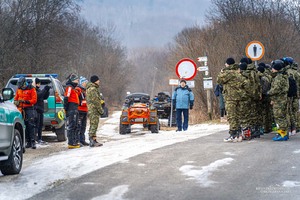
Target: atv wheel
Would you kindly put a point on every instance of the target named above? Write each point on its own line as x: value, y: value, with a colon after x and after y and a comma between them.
x: 155, y: 127
x: 124, y: 129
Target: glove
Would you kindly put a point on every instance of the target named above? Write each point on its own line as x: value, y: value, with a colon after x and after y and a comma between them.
x: 27, y: 102
x: 47, y: 87
x: 191, y: 107
x: 174, y: 103
x: 16, y: 102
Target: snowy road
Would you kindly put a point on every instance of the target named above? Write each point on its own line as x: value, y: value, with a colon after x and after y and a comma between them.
x: 56, y: 168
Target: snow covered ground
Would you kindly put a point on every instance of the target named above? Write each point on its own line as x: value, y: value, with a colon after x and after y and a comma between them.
x: 46, y: 172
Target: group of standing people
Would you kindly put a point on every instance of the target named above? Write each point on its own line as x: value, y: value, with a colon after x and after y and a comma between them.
x: 257, y: 97
x: 82, y: 97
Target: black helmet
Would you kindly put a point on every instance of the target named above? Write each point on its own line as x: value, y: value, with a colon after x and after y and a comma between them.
x: 21, y: 82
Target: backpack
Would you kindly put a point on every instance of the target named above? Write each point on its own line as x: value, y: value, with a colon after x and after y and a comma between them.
x: 292, y: 87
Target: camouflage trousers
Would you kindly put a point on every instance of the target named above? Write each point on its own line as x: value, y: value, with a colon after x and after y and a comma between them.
x: 233, y: 109
x: 292, y: 112
x: 279, y: 112
x: 94, y: 121
x: 267, y: 116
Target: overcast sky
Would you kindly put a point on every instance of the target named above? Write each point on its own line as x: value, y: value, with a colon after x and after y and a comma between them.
x: 150, y: 23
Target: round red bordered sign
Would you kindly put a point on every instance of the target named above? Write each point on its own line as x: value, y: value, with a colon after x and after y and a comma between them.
x: 186, y: 68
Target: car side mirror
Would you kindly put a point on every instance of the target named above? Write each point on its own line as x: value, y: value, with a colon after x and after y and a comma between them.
x: 7, y: 94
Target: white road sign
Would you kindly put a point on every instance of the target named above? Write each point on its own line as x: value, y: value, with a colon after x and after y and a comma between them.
x: 174, y: 82
x: 255, y: 50
x: 208, y: 83
x: 202, y: 59
x: 203, y: 68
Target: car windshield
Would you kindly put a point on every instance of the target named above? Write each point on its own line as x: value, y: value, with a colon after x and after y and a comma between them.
x: 13, y: 84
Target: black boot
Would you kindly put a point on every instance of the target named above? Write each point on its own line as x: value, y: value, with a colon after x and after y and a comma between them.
x: 33, y: 146
x: 94, y: 142
x: 28, y: 145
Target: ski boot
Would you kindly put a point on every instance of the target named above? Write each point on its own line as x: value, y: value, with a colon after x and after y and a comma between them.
x: 281, y: 136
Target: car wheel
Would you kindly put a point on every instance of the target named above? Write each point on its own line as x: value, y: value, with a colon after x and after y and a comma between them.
x: 15, y: 160
x: 61, y: 134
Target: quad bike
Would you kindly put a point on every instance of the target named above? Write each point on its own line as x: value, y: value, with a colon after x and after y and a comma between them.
x: 138, y: 109
x: 162, y: 102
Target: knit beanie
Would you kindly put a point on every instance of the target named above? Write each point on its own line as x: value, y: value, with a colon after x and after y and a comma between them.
x: 230, y: 61
x: 262, y: 65
x: 243, y: 66
x: 277, y: 66
x: 73, y: 77
x: 37, y: 81
x: 82, y: 80
x: 94, y: 78
x: 261, y: 69
x: 244, y: 60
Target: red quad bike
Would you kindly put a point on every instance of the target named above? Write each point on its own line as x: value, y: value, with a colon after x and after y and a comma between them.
x: 138, y: 109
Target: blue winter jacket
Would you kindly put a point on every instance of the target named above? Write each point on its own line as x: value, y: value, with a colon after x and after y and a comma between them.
x: 183, y: 97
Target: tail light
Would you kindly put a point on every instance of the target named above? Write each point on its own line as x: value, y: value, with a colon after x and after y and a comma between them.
x: 57, y: 98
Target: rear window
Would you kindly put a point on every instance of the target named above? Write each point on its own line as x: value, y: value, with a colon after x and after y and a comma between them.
x: 13, y: 84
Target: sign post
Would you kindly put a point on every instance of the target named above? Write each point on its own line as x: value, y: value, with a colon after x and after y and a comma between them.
x: 207, y: 84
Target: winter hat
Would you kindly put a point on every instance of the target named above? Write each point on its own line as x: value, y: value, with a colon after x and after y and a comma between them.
x: 73, y: 77
x: 243, y: 66
x: 249, y: 60
x: 262, y: 65
x: 37, y: 81
x: 261, y: 69
x: 244, y: 60
x: 82, y: 80
x: 230, y: 61
x: 277, y: 66
x: 182, y: 80
x: 94, y: 78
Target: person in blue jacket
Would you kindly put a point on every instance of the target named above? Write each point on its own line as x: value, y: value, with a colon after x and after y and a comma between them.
x: 183, y: 100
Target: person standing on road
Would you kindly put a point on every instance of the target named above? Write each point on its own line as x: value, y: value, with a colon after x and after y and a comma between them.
x: 82, y: 109
x: 278, y: 94
x: 234, y: 85
x: 183, y: 100
x: 219, y: 93
x: 71, y: 102
x: 39, y: 107
x: 25, y: 99
x: 95, y: 110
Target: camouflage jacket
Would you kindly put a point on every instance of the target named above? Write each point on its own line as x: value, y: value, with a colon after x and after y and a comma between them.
x: 279, y: 85
x: 255, y: 81
x: 233, y: 83
x: 93, y: 98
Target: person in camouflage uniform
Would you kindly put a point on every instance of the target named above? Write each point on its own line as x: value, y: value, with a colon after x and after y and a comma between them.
x: 278, y: 95
x: 293, y: 101
x: 265, y: 103
x: 254, y: 116
x: 233, y: 83
x: 95, y: 110
x: 246, y: 103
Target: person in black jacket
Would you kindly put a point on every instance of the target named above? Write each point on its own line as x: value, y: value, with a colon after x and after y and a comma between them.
x: 39, y: 107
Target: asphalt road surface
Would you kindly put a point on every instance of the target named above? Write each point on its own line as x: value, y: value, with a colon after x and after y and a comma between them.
x: 204, y: 168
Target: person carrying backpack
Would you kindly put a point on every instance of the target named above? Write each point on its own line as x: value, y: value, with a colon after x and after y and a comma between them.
x: 293, y: 100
